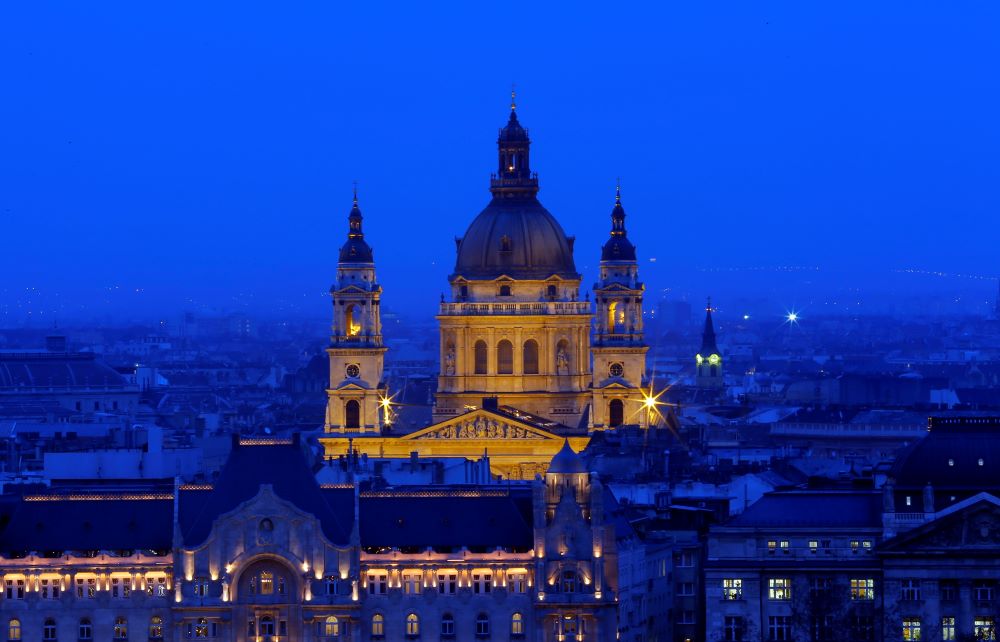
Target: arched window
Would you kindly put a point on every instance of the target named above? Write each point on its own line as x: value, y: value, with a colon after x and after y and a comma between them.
x: 378, y: 625
x: 266, y: 625
x: 481, y: 357
x: 352, y: 321
x: 447, y: 624
x: 612, y: 309
x: 517, y: 624
x: 120, y: 630
x: 505, y: 357
x: 412, y: 625
x: 331, y: 627
x: 14, y: 629
x: 616, y: 413
x: 530, y: 357
x: 156, y: 628
x: 49, y: 630
x: 482, y: 625
x: 267, y: 580
x: 352, y: 414
x: 85, y: 630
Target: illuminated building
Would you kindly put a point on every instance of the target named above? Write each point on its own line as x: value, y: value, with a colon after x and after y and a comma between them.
x: 516, y: 377
x: 265, y: 553
x: 619, y: 349
x: 356, y: 350
x: 708, y: 361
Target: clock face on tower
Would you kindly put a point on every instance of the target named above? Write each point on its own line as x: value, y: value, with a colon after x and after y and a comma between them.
x: 616, y: 370
x: 353, y: 370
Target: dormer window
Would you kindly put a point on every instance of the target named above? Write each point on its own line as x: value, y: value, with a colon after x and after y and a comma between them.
x: 505, y: 243
x: 504, y: 290
x: 551, y: 291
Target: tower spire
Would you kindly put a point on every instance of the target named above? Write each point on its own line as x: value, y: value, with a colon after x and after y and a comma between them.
x: 355, y: 250
x: 513, y: 98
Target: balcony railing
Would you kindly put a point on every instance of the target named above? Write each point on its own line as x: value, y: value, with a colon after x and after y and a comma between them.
x: 515, y: 308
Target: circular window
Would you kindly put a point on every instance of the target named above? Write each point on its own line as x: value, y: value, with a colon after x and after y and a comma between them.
x: 353, y: 370
x: 616, y: 370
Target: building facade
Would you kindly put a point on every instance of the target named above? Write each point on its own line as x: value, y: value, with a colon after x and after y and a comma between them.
x: 267, y: 554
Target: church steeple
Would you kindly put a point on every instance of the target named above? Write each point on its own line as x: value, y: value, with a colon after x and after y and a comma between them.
x: 514, y: 178
x: 708, y: 360
x: 355, y: 250
x: 618, y: 247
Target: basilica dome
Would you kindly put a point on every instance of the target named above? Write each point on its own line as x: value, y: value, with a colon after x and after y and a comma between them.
x: 515, y: 235
x: 518, y: 238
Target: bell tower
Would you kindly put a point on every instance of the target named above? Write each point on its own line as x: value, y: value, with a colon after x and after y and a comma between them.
x: 619, y: 347
x: 356, y: 350
x: 708, y: 360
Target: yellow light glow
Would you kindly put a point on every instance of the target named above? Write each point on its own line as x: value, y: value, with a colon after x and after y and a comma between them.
x: 714, y: 359
x: 305, y: 567
x: 699, y: 359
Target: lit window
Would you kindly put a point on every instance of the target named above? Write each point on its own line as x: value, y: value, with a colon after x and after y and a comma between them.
x: 121, y: 629
x: 156, y: 628
x: 266, y: 583
x: 951, y: 462
x: 779, y: 588
x: 863, y: 589
x: 983, y: 628
x: 909, y: 501
x: 732, y: 589
x: 156, y: 586
x: 813, y: 546
x: 411, y: 582
x: 14, y: 629
x: 911, y: 629
x: 980, y: 461
x: 378, y: 625
x: 948, y: 628
x: 331, y: 627
x: 121, y: 587
x: 447, y: 582
x: 517, y: 624
x: 412, y: 625
x: 201, y: 628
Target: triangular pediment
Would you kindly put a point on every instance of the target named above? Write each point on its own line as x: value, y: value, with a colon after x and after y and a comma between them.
x: 482, y: 424
x: 971, y: 525
x: 353, y: 289
x: 619, y: 287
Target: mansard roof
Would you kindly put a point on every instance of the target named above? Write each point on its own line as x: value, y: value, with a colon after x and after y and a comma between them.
x: 949, y: 456
x: 447, y: 518
x: 138, y: 518
x: 282, y: 464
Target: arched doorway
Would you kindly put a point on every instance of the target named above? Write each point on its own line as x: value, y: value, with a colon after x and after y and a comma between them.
x: 616, y: 413
x: 352, y: 414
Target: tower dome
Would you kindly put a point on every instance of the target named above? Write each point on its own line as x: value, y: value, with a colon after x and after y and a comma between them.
x: 356, y: 250
x: 618, y: 247
x: 515, y: 235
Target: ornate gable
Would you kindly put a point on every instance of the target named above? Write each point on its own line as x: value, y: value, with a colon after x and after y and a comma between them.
x: 969, y: 529
x: 483, y: 424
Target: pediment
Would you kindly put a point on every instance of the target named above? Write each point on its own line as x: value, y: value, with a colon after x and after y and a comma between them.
x: 354, y: 384
x: 482, y: 424
x: 973, y: 527
x: 354, y: 289
x: 614, y: 286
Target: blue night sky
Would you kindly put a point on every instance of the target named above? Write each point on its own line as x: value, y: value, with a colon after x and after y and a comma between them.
x: 157, y: 157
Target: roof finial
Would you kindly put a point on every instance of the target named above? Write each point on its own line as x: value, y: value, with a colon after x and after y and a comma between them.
x: 708, y: 305
x: 618, y: 191
x: 355, y: 192
x: 513, y: 98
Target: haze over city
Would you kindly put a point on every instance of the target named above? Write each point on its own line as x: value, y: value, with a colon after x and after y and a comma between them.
x: 776, y: 156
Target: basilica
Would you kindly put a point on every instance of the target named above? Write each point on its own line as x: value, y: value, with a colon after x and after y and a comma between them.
x: 526, y: 362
